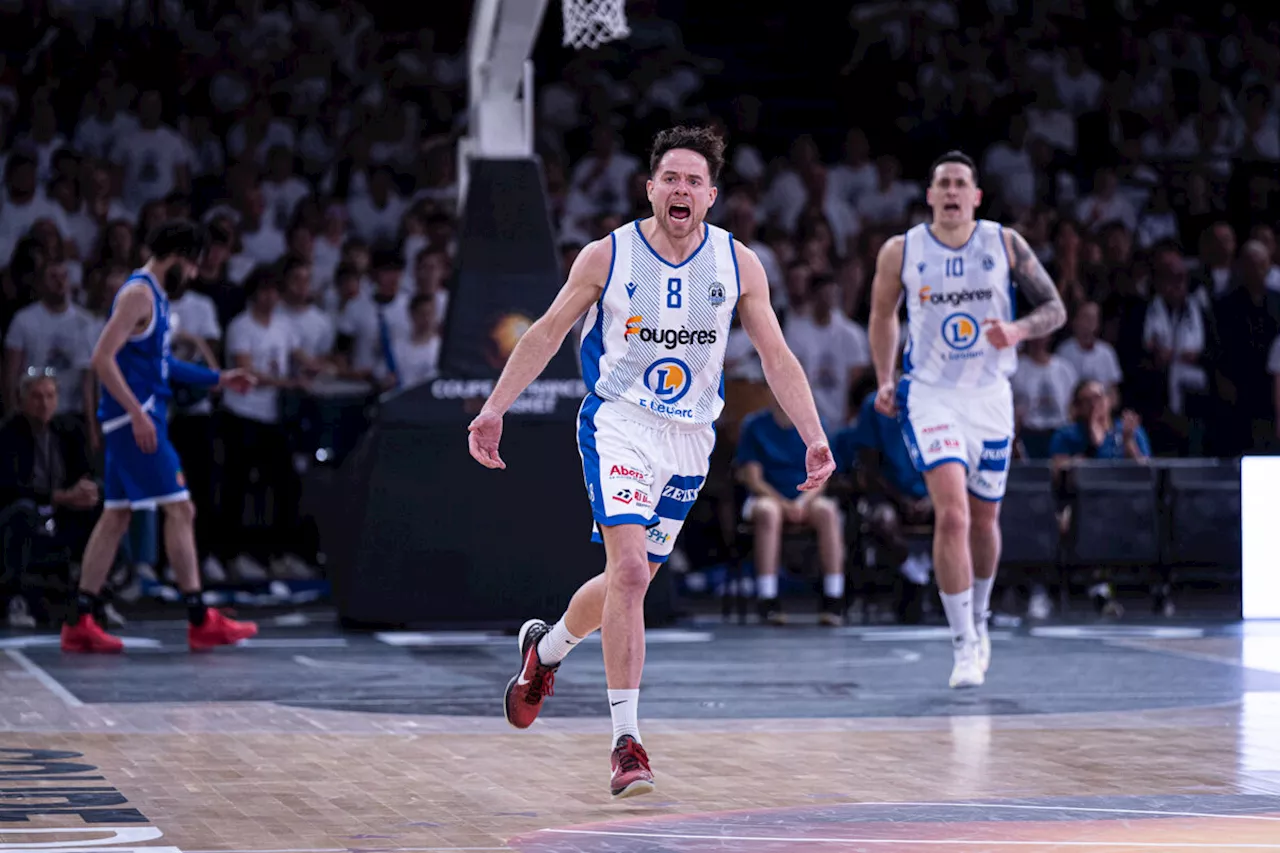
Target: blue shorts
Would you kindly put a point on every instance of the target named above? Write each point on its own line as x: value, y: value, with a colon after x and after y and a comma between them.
x: 137, y: 480
x: 641, y: 469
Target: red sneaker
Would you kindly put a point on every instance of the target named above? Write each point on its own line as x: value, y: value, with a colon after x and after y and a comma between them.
x: 631, y: 773
x: 534, y: 682
x: 218, y: 630
x: 87, y: 636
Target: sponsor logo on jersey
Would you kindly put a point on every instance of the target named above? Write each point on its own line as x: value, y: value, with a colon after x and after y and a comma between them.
x: 938, y: 428
x: 955, y: 297
x: 631, y: 289
x: 995, y: 455
x: 668, y: 379
x: 622, y: 472
x: 632, y: 496
x: 960, y: 331
x: 669, y: 338
x: 715, y: 293
x: 656, y: 535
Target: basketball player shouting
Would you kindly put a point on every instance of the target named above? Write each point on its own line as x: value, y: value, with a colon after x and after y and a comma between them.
x: 660, y: 294
x: 953, y: 400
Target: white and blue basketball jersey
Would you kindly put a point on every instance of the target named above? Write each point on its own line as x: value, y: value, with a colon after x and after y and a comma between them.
x: 657, y: 336
x: 949, y: 293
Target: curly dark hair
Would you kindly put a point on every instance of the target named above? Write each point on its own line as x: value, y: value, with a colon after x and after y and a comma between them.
x: 700, y: 140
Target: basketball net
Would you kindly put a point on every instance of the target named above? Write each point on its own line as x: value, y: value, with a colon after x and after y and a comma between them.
x: 590, y: 23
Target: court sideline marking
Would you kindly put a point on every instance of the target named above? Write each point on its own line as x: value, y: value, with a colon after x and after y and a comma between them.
x: 1162, y: 845
x: 38, y: 673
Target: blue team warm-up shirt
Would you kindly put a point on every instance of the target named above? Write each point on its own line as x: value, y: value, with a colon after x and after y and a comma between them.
x: 1071, y: 440
x: 874, y: 431
x: 779, y: 451
x: 134, y: 479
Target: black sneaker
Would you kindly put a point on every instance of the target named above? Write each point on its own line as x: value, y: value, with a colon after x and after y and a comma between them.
x: 832, y: 613
x: 771, y: 611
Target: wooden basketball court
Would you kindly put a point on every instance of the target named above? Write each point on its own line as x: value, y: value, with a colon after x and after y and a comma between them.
x: 309, y: 741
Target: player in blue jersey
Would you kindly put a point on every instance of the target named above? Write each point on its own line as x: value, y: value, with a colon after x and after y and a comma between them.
x: 957, y: 274
x: 659, y: 295
x: 142, y: 470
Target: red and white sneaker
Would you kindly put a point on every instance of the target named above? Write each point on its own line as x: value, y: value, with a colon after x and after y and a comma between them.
x: 631, y: 773
x: 87, y: 637
x: 218, y: 630
x: 535, y: 681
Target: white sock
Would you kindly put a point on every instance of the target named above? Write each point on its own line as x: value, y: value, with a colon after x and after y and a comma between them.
x: 556, y: 643
x: 982, y: 597
x: 959, y: 608
x: 767, y: 586
x: 833, y: 585
x: 622, y: 707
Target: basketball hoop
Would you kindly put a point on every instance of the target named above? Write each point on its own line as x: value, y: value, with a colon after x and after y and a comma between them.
x: 590, y: 23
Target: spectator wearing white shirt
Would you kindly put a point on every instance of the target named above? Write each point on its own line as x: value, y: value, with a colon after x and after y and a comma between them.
x: 262, y: 342
x: 82, y: 230
x: 154, y: 157
x: 418, y: 355
x: 1093, y: 359
x: 370, y: 325
x: 785, y: 197
x: 888, y: 202
x: 257, y: 133
x: 96, y: 134
x: 100, y: 201
x: 1261, y: 131
x: 1174, y: 333
x: 832, y: 349
x: 599, y: 184
x: 1265, y: 235
x: 43, y: 140
x: 1158, y: 222
x: 1105, y: 205
x: 855, y: 174
x: 197, y: 336
x: 260, y: 241
x: 432, y: 269
x: 1042, y: 388
x: 313, y: 329
x: 376, y: 216
x: 282, y: 189
x: 1078, y: 86
x: 1008, y: 170
x: 1047, y: 119
x: 55, y: 334
x: 24, y: 204
x: 841, y: 219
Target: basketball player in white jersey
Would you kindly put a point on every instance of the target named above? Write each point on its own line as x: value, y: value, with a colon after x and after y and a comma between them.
x: 659, y: 295
x: 953, y: 400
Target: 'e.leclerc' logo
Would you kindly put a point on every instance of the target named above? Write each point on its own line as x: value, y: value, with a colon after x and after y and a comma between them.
x: 668, y: 379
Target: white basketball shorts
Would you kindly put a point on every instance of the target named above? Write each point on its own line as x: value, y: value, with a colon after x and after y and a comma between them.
x: 972, y: 426
x: 640, y: 468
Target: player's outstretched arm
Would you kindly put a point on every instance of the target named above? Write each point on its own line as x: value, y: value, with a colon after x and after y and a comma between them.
x: 536, y: 346
x: 882, y: 328
x: 1029, y: 274
x: 782, y: 369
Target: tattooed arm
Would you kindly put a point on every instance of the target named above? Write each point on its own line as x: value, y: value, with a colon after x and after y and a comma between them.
x: 1026, y: 271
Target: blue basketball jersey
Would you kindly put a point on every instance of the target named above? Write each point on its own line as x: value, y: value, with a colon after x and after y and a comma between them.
x: 143, y: 360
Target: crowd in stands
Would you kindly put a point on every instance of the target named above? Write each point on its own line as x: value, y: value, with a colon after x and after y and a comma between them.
x: 1135, y: 146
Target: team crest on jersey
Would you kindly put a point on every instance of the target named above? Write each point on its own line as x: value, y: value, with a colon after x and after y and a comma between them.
x: 988, y: 263
x: 715, y: 293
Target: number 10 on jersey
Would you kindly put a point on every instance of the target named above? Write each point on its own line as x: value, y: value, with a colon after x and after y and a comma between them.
x: 955, y: 268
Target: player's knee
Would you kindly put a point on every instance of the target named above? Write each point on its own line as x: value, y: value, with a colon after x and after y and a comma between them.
x: 630, y: 574
x: 766, y: 514
x: 116, y: 520
x: 985, y: 516
x: 951, y: 520
x: 824, y: 512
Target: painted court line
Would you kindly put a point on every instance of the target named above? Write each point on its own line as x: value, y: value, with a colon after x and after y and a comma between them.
x: 367, y: 849
x: 1150, y: 812
x: 1044, y: 845
x: 50, y: 683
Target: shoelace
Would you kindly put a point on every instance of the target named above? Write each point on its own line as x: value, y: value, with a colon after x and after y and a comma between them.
x: 542, y: 684
x: 633, y: 757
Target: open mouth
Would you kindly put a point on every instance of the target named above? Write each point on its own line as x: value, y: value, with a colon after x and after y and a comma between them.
x: 951, y: 206
x: 680, y: 212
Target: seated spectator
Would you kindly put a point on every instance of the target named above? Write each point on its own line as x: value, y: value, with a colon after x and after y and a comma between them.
x: 1174, y: 336
x: 896, y: 495
x: 1042, y: 388
x: 1095, y: 433
x: 46, y: 495
x: 53, y: 333
x: 370, y: 325
x: 312, y: 327
x: 1091, y: 357
x: 771, y: 459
